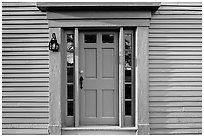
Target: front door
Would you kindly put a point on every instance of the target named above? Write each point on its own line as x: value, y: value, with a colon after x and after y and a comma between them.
x: 98, y: 59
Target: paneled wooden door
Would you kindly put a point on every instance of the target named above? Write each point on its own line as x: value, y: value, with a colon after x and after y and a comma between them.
x: 98, y: 60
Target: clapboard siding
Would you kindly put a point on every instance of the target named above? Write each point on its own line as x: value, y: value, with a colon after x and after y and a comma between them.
x: 175, y: 50
x: 25, y: 75
x: 175, y: 75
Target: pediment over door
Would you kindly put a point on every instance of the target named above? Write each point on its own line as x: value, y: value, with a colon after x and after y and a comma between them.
x: 62, y: 6
x: 104, y: 14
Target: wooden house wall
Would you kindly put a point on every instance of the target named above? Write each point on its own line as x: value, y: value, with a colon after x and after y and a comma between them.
x: 25, y: 69
x: 175, y: 85
x: 174, y: 69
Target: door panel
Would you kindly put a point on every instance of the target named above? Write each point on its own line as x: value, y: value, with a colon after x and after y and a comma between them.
x: 99, y: 62
x: 108, y: 100
x: 91, y: 63
x: 107, y: 63
x: 90, y: 103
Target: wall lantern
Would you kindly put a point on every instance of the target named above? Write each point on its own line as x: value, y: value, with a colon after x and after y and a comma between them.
x: 53, y: 45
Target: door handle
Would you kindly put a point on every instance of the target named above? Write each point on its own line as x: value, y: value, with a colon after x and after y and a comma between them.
x: 81, y: 82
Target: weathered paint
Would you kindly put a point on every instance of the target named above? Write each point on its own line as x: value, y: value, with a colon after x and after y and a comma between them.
x: 174, y: 69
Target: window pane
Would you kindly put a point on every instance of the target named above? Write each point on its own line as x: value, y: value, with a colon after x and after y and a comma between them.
x: 128, y: 41
x: 128, y: 108
x: 70, y: 38
x: 70, y: 59
x: 128, y: 75
x: 127, y: 91
x: 90, y: 38
x: 70, y: 108
x: 128, y: 58
x: 70, y: 90
x: 108, y: 38
x: 70, y: 75
x: 70, y: 42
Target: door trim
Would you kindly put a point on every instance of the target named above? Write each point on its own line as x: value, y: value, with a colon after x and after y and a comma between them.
x: 121, y: 77
x: 76, y: 74
x: 56, y: 74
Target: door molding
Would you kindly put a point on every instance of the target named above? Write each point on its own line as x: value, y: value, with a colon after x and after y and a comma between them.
x: 56, y: 26
x: 142, y: 80
x: 121, y: 77
x: 141, y: 73
x: 76, y: 74
x: 137, y: 6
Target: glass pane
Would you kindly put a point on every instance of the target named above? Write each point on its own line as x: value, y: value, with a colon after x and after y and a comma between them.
x: 127, y: 91
x: 70, y: 38
x: 70, y: 74
x: 90, y: 38
x: 127, y: 107
x: 70, y: 59
x: 107, y: 38
x: 127, y: 75
x: 70, y: 108
x: 70, y: 90
x: 70, y: 42
x: 128, y: 58
x: 128, y: 41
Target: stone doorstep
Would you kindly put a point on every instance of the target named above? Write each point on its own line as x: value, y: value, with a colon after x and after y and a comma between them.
x: 99, y: 130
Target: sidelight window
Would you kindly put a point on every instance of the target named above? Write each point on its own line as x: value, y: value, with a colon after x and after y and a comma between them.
x: 70, y: 75
x: 129, y: 78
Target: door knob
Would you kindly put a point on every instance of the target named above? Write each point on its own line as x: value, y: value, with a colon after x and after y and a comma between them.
x: 81, y: 82
x: 81, y: 72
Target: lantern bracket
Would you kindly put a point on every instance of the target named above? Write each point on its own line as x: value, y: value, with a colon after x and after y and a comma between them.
x: 53, y: 45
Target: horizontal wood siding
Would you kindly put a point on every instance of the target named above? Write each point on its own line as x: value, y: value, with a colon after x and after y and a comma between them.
x: 174, y: 69
x: 25, y: 73
x: 175, y: 52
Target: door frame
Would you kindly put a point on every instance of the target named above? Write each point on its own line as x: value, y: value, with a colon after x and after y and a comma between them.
x: 121, y: 77
x: 140, y: 21
x: 120, y: 69
x: 141, y: 71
